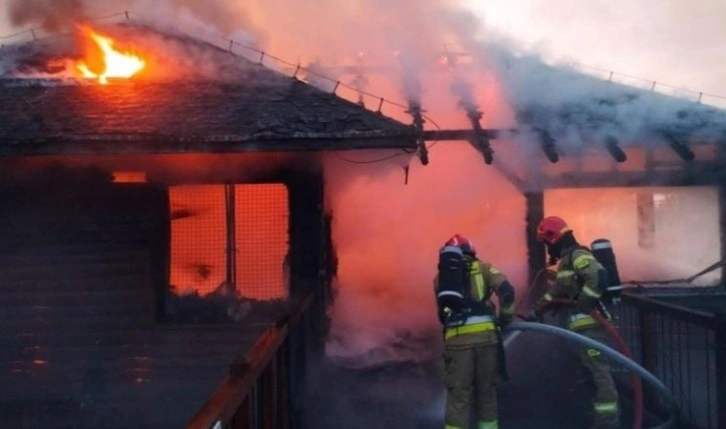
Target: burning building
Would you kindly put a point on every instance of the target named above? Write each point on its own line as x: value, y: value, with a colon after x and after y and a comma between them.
x: 156, y: 191
x: 152, y: 180
x: 632, y: 165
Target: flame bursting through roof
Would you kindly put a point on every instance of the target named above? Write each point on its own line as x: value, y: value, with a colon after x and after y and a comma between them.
x: 103, y: 61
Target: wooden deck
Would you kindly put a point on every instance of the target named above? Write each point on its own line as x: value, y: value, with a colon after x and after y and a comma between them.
x: 79, y: 345
x: 82, y: 350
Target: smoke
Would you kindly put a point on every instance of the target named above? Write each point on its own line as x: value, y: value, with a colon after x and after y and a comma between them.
x: 226, y: 16
x: 655, y: 230
x: 53, y: 15
x: 580, y: 110
x: 387, y: 233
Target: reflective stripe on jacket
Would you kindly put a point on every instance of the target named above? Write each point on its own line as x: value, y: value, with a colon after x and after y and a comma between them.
x: 580, y: 321
x: 472, y: 325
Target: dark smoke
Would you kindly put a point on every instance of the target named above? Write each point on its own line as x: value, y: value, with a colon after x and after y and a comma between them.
x: 52, y: 15
x: 226, y: 17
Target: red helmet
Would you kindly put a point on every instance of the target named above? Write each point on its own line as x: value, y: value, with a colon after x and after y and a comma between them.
x: 462, y: 243
x: 551, y: 229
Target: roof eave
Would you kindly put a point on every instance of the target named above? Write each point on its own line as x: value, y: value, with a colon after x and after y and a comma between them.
x: 149, y: 145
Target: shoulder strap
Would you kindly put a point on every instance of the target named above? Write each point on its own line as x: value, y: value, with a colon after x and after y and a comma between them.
x: 572, y: 263
x: 571, y: 253
x: 479, y: 280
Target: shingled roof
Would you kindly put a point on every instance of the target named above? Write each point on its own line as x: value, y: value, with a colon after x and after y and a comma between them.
x: 569, y: 104
x: 247, y: 108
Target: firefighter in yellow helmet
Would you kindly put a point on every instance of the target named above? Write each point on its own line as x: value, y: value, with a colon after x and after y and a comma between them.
x: 473, y: 351
x: 581, y: 278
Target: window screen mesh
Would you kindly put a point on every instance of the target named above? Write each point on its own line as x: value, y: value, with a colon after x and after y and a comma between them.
x: 262, y: 240
x: 200, y: 250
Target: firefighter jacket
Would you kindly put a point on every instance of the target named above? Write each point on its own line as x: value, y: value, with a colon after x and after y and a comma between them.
x: 580, y: 278
x: 481, y: 329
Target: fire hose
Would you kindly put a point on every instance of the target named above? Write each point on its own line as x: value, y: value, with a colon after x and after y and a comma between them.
x: 622, y: 348
x: 622, y: 356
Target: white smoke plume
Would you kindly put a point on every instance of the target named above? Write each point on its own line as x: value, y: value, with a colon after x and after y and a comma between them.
x: 388, y: 234
x: 572, y: 104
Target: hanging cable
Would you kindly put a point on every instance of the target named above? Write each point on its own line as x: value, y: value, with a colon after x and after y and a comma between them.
x: 396, y: 155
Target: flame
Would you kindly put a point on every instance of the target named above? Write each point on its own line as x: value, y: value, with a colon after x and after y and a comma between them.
x: 112, y: 62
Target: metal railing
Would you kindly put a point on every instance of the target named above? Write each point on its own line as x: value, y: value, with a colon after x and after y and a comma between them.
x: 716, y: 100
x: 260, y: 391
x: 684, y: 347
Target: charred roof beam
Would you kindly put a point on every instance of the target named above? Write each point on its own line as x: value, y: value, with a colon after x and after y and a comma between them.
x: 418, y: 124
x: 679, y: 147
x: 614, y: 149
x: 479, y: 140
x: 547, y: 142
x: 455, y: 135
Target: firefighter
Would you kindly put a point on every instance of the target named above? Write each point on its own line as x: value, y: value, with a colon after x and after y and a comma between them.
x: 582, y: 279
x: 473, y: 351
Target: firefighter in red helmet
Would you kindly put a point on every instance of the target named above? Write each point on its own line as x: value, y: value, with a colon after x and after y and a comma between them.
x: 473, y: 351
x: 581, y: 278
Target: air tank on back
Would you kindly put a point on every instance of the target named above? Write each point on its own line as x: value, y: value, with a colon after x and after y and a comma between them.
x: 602, y: 249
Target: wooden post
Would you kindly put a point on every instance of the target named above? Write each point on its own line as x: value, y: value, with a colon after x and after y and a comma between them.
x: 307, y: 261
x: 536, y: 252
x: 231, y: 257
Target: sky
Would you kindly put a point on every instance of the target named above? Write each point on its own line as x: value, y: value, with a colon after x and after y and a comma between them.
x: 672, y: 41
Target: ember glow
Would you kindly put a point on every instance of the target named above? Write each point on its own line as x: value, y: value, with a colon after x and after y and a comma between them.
x: 106, y: 62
